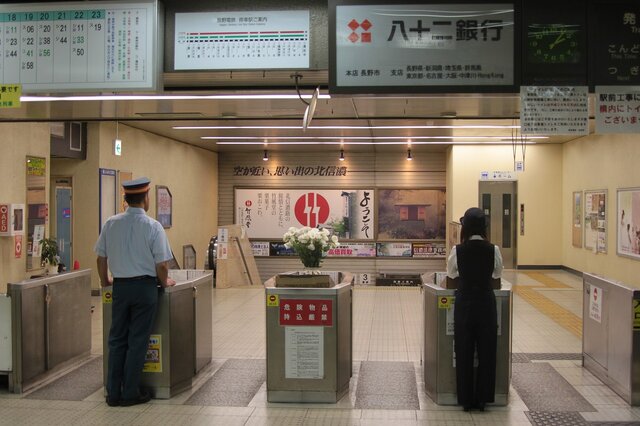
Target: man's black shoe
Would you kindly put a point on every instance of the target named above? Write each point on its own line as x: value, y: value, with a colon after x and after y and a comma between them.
x: 143, y: 398
x: 113, y: 402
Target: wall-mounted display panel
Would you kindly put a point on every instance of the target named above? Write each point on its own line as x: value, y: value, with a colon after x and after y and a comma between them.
x: 554, y: 45
x: 74, y: 46
x: 615, y: 36
x: 269, y: 212
x: 242, y: 40
x: 384, y: 47
x: 108, y: 194
x: 628, y: 222
x: 595, y: 220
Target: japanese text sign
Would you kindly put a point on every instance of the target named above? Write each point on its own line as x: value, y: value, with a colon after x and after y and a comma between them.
x: 424, y: 45
x: 297, y: 312
x: 617, y: 109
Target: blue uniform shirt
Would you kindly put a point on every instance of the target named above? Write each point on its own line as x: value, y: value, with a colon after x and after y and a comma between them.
x: 133, y: 243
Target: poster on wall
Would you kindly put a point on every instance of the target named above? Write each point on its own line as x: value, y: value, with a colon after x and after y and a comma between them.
x: 628, y: 222
x: 454, y: 235
x: 433, y: 250
x: 163, y: 206
x: 412, y: 214
x: 269, y: 213
x: 353, y: 250
x: 393, y: 249
x: 576, y: 226
x: 595, y: 221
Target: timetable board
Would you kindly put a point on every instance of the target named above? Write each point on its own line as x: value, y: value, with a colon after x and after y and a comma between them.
x: 53, y: 47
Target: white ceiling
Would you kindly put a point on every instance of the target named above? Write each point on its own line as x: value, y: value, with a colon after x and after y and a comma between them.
x: 159, y: 116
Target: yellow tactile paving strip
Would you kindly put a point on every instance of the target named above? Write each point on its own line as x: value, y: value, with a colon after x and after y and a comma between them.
x: 551, y: 309
x: 549, y: 282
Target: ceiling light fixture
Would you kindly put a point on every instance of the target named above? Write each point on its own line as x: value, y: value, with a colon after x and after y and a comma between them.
x: 163, y: 97
x: 344, y: 127
x: 265, y: 157
x: 275, y: 138
x: 341, y: 155
x: 409, y: 157
x: 476, y: 142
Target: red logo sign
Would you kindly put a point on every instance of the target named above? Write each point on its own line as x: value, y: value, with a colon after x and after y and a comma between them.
x: 17, y: 241
x: 312, y: 209
x: 248, y: 203
x: 306, y: 312
x: 4, y: 218
x: 365, y: 36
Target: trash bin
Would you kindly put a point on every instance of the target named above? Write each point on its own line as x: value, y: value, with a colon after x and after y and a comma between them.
x: 611, y: 335
x: 181, y: 339
x: 309, y: 348
x: 438, y: 353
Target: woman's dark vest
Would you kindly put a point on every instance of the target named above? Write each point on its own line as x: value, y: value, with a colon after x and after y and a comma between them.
x: 475, y: 265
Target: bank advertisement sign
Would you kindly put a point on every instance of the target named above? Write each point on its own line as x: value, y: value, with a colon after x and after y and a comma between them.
x: 269, y: 213
x: 424, y: 45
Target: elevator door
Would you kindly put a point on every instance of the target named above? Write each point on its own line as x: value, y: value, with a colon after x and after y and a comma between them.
x: 498, y: 200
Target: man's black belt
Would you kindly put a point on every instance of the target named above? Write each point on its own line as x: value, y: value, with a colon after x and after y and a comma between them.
x: 138, y: 278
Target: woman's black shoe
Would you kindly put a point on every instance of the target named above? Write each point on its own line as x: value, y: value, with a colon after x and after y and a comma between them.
x: 467, y: 408
x: 479, y: 407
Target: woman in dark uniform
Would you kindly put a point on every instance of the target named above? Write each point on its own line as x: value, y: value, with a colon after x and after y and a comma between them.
x: 476, y: 262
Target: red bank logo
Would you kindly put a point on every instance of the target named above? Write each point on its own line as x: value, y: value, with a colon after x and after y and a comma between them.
x: 365, y: 36
x: 312, y: 209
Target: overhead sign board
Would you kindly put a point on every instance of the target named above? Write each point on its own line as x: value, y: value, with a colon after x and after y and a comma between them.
x: 242, y: 40
x: 57, y: 47
x: 617, y: 109
x: 396, y: 48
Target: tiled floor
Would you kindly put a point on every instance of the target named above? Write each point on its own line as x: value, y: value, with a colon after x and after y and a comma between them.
x: 387, y: 324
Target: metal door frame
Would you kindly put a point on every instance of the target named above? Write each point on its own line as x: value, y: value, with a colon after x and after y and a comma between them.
x: 66, y: 185
x: 513, y: 220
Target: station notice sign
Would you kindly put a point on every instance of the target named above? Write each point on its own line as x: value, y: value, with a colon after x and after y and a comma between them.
x: 17, y: 242
x: 10, y: 95
x: 306, y: 312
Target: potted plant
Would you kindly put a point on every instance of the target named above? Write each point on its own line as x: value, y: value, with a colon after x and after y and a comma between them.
x: 311, y: 244
x: 49, y: 255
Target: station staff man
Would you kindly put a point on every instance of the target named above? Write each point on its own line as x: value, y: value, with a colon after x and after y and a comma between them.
x: 134, y: 247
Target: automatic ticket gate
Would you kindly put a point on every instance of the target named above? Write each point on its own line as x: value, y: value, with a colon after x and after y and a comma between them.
x: 438, y: 353
x: 180, y: 345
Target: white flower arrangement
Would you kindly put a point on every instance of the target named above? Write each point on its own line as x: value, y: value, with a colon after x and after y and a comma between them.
x: 311, y: 244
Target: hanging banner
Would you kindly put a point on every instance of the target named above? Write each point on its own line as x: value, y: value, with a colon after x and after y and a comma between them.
x: 269, y: 213
x: 617, y: 109
x: 549, y: 110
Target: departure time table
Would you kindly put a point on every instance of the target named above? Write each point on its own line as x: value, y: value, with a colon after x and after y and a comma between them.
x: 82, y: 47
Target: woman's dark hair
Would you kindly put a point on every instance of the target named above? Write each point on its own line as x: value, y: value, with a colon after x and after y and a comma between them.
x: 134, y: 198
x: 474, y: 222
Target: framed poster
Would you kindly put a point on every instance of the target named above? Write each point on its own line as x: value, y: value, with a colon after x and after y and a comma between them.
x: 268, y: 212
x: 393, y: 249
x: 595, y: 220
x: 108, y: 196
x: 628, y: 222
x: 576, y: 223
x: 412, y: 214
x: 163, y: 206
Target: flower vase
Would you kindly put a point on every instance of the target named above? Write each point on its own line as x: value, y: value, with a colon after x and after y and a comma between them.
x: 312, y: 270
x: 51, y: 269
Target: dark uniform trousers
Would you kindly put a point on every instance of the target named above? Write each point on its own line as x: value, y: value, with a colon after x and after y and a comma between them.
x: 134, y: 307
x: 475, y: 323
